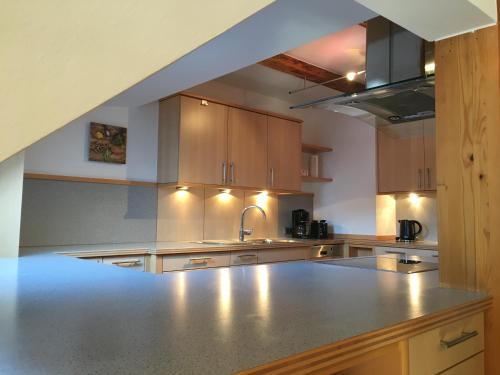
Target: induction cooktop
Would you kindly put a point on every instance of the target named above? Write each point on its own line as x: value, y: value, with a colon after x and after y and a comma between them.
x: 389, y: 263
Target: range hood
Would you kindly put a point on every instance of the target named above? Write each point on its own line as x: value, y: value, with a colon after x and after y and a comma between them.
x: 398, y: 89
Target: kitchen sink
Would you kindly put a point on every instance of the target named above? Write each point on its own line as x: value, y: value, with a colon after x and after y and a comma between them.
x: 260, y: 241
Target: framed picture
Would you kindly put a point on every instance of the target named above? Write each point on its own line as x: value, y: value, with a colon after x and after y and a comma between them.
x: 108, y: 143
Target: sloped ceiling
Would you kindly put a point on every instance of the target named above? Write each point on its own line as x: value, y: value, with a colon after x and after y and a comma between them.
x: 61, y: 58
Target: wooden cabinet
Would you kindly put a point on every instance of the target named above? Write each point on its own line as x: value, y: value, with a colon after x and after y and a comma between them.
x: 284, y: 155
x: 247, y: 148
x: 406, y: 157
x: 207, y: 142
x: 282, y: 255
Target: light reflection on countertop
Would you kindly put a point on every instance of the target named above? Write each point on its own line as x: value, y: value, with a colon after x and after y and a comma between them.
x: 59, y: 315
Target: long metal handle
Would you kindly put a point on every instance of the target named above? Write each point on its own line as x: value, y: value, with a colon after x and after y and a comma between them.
x: 247, y: 256
x: 231, y: 166
x: 463, y: 337
x: 201, y: 260
x: 272, y: 177
x: 420, y: 178
x: 224, y: 173
x: 429, y: 178
x: 127, y: 263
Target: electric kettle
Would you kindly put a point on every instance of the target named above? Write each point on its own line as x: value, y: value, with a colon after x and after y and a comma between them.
x: 407, y: 230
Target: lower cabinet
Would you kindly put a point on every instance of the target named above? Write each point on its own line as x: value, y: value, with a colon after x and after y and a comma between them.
x: 282, y: 255
x: 239, y: 258
x: 449, y: 348
x: 181, y: 262
x: 430, y: 255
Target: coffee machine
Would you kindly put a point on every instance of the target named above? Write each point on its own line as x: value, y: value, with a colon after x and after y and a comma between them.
x: 300, y: 223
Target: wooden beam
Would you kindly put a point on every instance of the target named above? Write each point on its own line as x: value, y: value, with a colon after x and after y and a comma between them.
x: 300, y: 69
x: 468, y: 178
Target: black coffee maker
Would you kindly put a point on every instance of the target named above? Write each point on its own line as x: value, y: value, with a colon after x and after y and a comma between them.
x: 408, y: 231
x: 300, y: 223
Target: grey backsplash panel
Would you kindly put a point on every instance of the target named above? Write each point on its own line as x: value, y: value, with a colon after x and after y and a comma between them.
x: 288, y: 203
x: 74, y: 213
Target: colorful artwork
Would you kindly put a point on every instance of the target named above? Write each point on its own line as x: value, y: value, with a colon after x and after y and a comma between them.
x: 108, y: 143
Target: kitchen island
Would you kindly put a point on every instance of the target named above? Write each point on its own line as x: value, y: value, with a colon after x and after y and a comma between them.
x: 61, y: 315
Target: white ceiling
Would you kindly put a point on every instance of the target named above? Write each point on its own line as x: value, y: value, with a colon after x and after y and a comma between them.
x: 340, y: 52
x: 282, y: 26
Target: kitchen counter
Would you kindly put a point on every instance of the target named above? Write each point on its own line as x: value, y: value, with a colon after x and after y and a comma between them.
x: 61, y: 315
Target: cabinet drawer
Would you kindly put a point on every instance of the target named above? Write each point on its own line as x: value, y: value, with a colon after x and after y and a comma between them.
x: 281, y: 255
x: 430, y: 255
x: 244, y: 257
x: 474, y: 365
x: 96, y: 260
x: 441, y: 348
x: 195, y: 261
x: 132, y: 262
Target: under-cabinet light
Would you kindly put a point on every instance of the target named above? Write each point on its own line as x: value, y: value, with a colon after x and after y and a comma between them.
x: 182, y: 188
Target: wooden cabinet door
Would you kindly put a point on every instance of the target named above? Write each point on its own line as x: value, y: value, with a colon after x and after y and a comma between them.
x: 202, y: 141
x: 400, y: 158
x: 284, y: 153
x: 247, y: 148
x: 430, y: 153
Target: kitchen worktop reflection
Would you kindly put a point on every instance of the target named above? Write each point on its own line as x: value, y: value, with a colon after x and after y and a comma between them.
x: 63, y: 315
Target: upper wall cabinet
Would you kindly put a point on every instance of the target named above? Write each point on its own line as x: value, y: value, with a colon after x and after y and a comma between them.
x: 406, y: 157
x: 207, y: 142
x: 285, y: 152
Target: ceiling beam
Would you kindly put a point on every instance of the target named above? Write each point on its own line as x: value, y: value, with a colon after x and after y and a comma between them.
x: 290, y: 65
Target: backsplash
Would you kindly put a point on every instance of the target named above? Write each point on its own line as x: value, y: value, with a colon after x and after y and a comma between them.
x: 422, y: 208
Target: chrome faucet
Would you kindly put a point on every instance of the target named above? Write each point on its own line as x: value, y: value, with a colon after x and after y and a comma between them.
x: 244, y: 231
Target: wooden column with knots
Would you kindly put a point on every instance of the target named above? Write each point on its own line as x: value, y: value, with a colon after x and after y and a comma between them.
x: 468, y: 170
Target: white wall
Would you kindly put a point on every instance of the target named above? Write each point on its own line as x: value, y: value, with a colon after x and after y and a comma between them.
x: 65, y: 151
x: 11, y: 194
x: 349, y: 203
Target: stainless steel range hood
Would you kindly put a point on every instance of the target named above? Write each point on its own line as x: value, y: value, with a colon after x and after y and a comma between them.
x: 398, y: 89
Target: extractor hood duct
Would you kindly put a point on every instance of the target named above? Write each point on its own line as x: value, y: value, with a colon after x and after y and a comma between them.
x: 398, y: 89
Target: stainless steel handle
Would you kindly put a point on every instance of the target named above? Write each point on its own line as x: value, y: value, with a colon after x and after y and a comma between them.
x: 247, y: 256
x: 420, y: 179
x: 464, y: 337
x: 272, y: 176
x: 231, y: 179
x: 224, y: 173
x: 429, y: 178
x: 201, y: 260
x: 127, y: 263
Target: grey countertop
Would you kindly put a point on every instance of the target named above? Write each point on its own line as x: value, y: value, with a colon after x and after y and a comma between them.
x: 62, y: 315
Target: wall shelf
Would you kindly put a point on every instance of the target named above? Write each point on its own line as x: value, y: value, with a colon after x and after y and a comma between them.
x: 315, y: 149
x: 316, y: 179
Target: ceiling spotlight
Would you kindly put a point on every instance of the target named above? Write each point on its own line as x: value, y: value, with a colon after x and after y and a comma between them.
x: 225, y: 191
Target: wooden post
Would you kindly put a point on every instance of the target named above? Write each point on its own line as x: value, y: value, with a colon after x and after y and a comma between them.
x: 468, y: 170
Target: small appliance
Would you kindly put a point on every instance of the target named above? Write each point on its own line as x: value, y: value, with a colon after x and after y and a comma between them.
x: 323, y: 229
x: 300, y: 223
x: 408, y: 231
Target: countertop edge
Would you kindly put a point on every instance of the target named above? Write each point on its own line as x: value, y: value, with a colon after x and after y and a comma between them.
x: 328, y: 356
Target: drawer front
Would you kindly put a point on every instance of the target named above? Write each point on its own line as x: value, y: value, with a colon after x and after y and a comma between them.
x: 282, y: 255
x: 132, y: 262
x: 430, y: 255
x: 96, y: 260
x: 195, y: 261
x: 441, y: 348
x: 382, y: 250
x: 244, y: 257
x: 474, y: 365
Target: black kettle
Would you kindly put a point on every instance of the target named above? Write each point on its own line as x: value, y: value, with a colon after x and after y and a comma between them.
x: 407, y: 230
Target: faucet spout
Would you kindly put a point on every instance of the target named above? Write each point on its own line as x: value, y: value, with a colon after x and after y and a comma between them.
x: 244, y: 231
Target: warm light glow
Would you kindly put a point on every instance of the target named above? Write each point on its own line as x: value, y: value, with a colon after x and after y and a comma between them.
x: 261, y: 199
x: 263, y: 291
x: 350, y: 76
x: 224, y: 197
x: 430, y: 68
x: 225, y: 313
x: 181, y: 195
x: 227, y: 191
x: 415, y: 292
x: 182, y: 188
x: 414, y: 199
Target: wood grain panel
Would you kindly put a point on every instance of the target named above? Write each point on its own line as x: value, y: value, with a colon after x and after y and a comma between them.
x: 202, y: 141
x: 284, y: 153
x: 180, y: 214
x: 262, y: 228
x: 290, y: 65
x: 430, y: 154
x: 222, y: 214
x: 468, y: 180
x: 247, y: 148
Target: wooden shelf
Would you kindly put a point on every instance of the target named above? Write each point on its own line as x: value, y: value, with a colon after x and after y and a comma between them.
x: 316, y: 179
x: 315, y: 149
